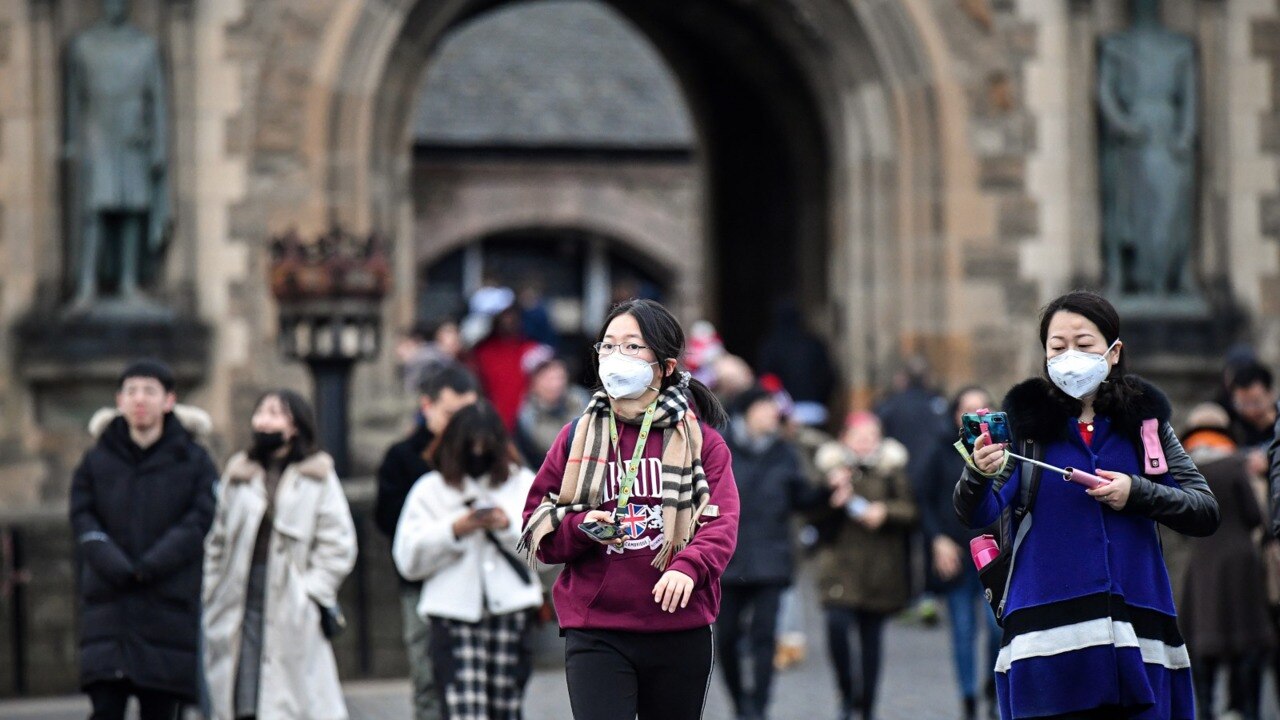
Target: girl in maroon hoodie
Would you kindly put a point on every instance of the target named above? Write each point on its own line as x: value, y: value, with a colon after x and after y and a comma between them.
x: 637, y: 499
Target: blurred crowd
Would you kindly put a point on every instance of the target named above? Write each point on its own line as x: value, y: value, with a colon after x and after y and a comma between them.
x: 866, y: 498
x: 863, y: 497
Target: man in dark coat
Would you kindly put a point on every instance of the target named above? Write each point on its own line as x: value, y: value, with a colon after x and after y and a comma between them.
x: 772, y: 486
x: 442, y: 394
x: 916, y: 415
x: 141, y: 503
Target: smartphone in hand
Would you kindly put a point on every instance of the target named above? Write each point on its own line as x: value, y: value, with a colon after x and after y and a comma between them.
x: 483, y: 508
x: 601, y: 532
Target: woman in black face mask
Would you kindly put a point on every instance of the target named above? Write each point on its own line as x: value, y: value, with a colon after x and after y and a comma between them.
x: 458, y: 536
x: 282, y: 543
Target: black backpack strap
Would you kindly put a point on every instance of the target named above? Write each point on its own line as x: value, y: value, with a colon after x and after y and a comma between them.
x: 1030, y: 480
x: 518, y: 566
x: 1019, y: 523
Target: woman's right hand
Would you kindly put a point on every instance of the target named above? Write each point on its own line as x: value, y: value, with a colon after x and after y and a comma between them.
x: 606, y: 517
x: 987, y: 457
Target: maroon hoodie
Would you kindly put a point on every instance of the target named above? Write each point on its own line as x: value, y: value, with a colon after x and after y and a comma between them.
x: 611, y: 588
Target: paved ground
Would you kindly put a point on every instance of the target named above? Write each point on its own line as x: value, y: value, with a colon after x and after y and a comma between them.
x: 918, y: 684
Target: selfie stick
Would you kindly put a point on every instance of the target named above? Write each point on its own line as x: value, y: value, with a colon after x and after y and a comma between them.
x: 1079, y: 477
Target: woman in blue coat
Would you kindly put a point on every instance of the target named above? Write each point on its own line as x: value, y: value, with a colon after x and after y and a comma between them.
x: 1090, y: 629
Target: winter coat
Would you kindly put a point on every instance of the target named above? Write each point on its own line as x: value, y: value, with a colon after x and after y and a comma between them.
x: 860, y: 568
x: 1090, y: 620
x: 312, y: 549
x: 139, y: 519
x: 537, y: 425
x: 1224, y: 604
x: 402, y: 466
x: 937, y: 515
x: 464, y: 578
x: 1273, y: 481
x: 499, y: 363
x: 916, y: 417
x: 771, y: 487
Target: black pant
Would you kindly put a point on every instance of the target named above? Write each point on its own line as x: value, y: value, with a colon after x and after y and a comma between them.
x: 1244, y: 684
x: 761, y: 601
x: 111, y: 698
x: 616, y: 675
x: 840, y: 622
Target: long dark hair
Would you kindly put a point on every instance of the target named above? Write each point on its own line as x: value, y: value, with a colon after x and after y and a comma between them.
x: 665, y: 337
x: 1120, y: 388
x: 477, y: 422
x: 305, y: 443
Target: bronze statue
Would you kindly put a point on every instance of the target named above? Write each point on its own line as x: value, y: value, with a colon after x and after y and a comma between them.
x: 1147, y: 98
x: 116, y: 145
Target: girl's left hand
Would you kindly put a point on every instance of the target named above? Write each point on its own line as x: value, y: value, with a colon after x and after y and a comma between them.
x: 673, y: 590
x: 1114, y: 494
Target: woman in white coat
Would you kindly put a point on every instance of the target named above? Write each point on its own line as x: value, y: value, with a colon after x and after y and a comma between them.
x: 458, y: 533
x: 281, y: 544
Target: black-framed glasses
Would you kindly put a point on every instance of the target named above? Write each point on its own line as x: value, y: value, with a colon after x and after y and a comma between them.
x: 630, y: 349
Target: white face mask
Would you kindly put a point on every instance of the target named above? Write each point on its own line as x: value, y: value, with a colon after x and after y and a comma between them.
x: 625, y: 378
x: 1079, y: 374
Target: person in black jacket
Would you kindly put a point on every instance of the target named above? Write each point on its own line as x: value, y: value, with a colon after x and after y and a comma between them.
x: 141, y: 503
x: 954, y: 574
x: 772, y: 485
x: 442, y: 394
x: 801, y: 361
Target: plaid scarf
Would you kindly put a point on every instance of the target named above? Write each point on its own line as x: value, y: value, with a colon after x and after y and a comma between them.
x: 685, y: 493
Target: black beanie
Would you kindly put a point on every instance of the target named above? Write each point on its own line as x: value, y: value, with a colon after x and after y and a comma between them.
x: 749, y: 397
x: 149, y: 369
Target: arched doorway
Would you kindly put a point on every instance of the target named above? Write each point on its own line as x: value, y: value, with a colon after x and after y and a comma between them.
x: 763, y: 145
x: 817, y: 137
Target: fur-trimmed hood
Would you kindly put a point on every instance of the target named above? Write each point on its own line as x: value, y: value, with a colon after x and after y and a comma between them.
x: 1039, y: 411
x: 317, y: 467
x: 891, y: 457
x: 196, y: 421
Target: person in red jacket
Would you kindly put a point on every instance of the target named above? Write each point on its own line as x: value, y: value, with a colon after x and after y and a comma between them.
x: 645, y: 470
x: 498, y: 360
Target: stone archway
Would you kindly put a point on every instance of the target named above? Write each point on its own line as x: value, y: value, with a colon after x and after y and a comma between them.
x: 840, y: 116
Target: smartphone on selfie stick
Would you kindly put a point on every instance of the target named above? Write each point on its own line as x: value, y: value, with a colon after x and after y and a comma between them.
x: 995, y: 424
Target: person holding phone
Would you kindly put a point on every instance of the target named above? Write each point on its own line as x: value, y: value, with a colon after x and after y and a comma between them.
x: 457, y: 536
x: 1090, y: 628
x: 637, y: 499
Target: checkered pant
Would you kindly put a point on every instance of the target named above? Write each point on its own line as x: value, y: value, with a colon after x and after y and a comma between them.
x: 481, y: 668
